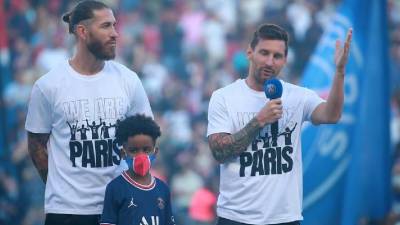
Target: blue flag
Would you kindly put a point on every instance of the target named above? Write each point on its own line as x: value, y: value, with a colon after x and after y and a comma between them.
x: 346, y: 166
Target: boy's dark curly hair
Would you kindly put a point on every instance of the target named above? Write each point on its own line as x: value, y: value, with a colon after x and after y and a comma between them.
x: 134, y: 125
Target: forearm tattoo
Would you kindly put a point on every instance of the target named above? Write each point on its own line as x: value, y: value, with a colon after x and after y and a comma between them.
x: 226, y: 146
x: 37, y: 147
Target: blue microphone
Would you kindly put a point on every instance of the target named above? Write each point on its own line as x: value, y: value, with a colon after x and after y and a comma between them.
x: 273, y: 90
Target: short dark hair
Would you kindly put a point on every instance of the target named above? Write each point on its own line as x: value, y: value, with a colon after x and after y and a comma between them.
x: 82, y: 11
x: 270, y: 32
x: 135, y: 125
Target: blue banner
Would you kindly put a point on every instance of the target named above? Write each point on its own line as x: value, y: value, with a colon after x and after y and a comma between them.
x: 346, y: 166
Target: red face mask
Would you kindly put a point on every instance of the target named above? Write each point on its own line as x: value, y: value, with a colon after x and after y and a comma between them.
x: 140, y: 164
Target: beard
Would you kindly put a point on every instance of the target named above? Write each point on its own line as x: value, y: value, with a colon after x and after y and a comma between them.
x: 99, y: 50
x: 260, y: 78
x: 257, y: 76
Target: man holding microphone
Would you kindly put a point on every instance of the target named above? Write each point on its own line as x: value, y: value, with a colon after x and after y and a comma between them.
x: 257, y: 141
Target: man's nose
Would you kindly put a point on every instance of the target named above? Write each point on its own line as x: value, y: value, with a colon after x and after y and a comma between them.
x: 269, y: 60
x: 114, y: 33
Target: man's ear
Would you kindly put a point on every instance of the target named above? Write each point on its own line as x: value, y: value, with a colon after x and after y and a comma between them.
x: 156, y: 150
x: 81, y: 31
x: 249, y: 52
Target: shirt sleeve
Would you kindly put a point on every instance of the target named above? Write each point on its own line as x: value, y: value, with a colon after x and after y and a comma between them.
x: 140, y: 103
x: 38, y: 119
x: 218, y: 116
x: 312, y: 100
x: 110, y: 208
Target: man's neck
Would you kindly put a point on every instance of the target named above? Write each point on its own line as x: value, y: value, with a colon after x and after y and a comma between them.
x: 86, y: 63
x: 252, y: 83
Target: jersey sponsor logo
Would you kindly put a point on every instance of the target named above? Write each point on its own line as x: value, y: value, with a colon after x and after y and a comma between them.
x: 92, y: 143
x: 266, y: 157
x: 153, y: 220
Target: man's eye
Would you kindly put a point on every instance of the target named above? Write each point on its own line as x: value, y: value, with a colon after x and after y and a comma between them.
x: 105, y: 25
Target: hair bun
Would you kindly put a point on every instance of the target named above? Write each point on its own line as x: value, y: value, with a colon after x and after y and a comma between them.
x: 67, y: 17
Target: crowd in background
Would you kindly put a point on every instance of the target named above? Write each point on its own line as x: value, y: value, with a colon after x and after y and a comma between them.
x: 182, y: 50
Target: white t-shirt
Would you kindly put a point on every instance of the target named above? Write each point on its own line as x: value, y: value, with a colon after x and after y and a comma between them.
x: 80, y: 113
x: 264, y: 184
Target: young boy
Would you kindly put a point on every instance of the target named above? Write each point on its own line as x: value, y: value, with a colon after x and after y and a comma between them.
x: 136, y: 197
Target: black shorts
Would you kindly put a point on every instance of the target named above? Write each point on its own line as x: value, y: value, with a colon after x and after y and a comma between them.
x: 224, y: 221
x: 70, y: 219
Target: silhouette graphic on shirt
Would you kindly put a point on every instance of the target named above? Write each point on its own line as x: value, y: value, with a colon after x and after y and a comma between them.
x: 274, y: 133
x: 117, y: 123
x: 254, y: 143
x: 288, y: 135
x: 266, y: 138
x: 104, y: 130
x: 83, y: 130
x: 94, y: 128
x: 73, y: 130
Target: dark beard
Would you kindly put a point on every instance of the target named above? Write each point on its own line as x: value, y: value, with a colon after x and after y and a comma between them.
x: 97, y: 49
x: 257, y: 77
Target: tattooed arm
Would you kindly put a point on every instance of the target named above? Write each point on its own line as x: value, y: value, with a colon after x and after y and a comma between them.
x: 225, y: 146
x: 37, y: 147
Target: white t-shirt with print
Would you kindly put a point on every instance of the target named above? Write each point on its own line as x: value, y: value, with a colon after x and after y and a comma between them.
x: 264, y: 184
x: 80, y: 113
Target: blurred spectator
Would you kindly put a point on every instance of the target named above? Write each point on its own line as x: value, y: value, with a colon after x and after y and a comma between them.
x: 52, y: 54
x: 394, y: 216
x: 192, y: 21
x: 154, y: 77
x: 171, y: 39
x: 394, y: 9
x: 9, y: 190
x: 225, y: 11
x: 251, y: 11
x: 300, y: 17
x: 202, y: 204
x: 214, y: 39
x: 395, y: 59
x: 183, y: 185
x: 16, y: 93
